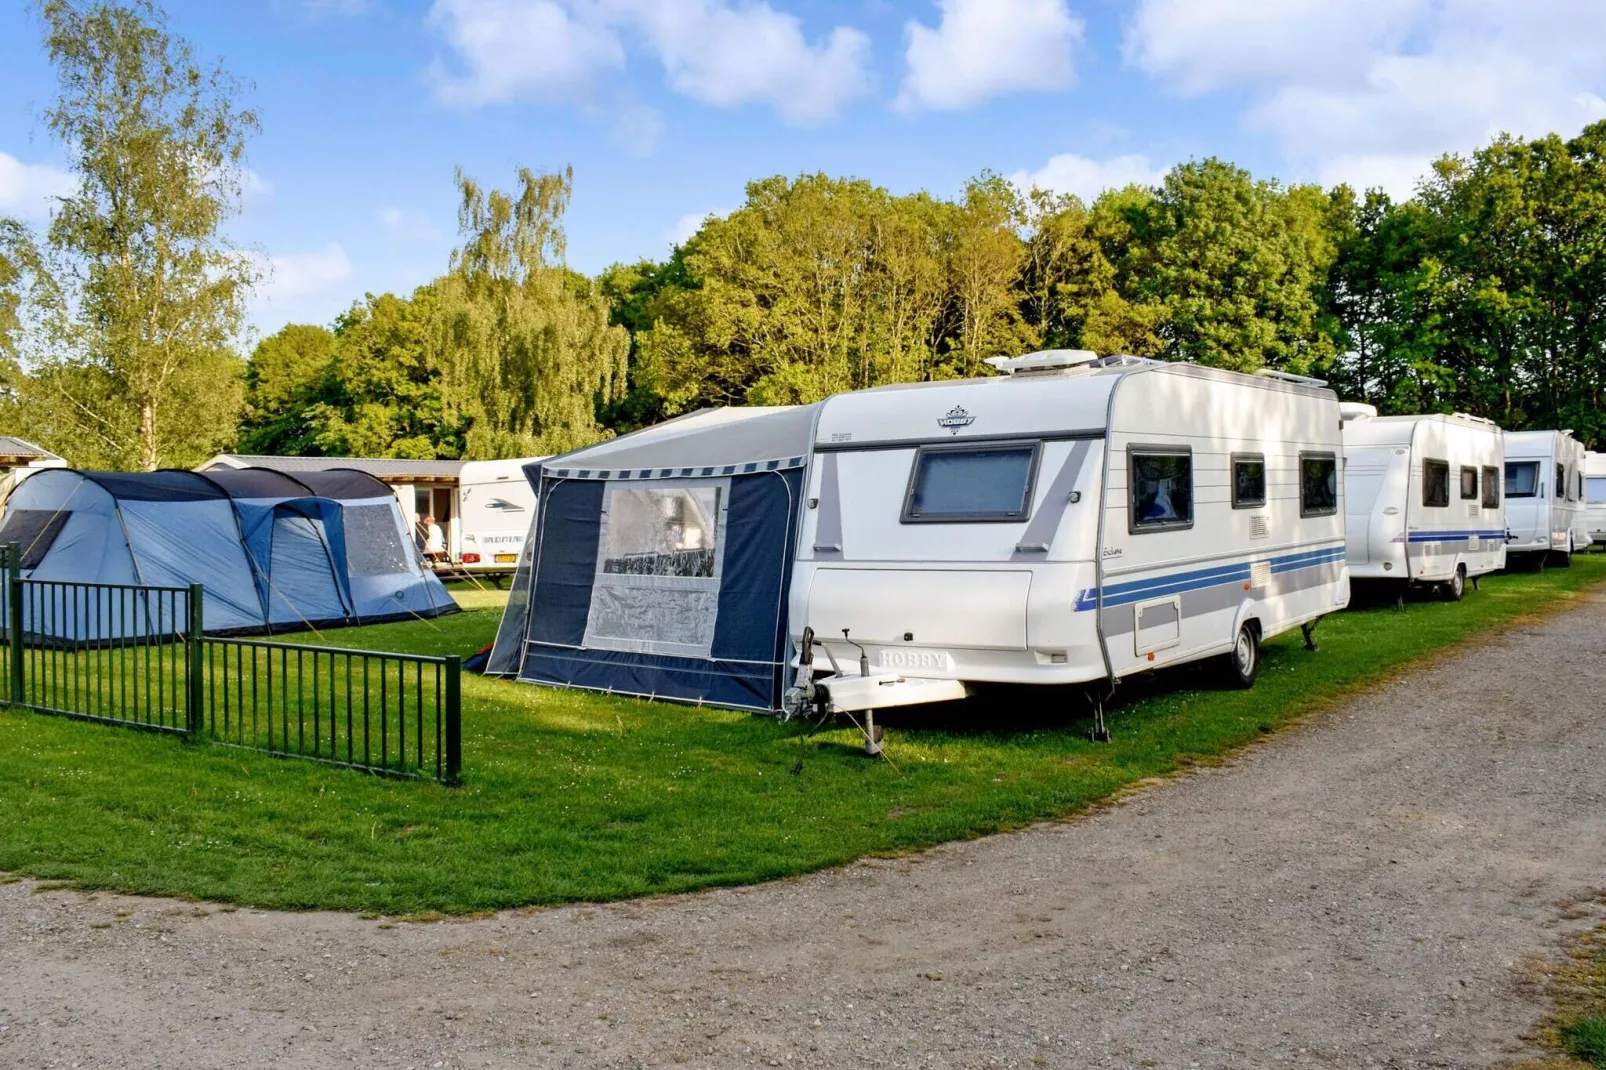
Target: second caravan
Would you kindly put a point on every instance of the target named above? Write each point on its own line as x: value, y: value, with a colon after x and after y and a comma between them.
x: 1423, y: 501
x: 1545, y: 496
x: 1077, y: 520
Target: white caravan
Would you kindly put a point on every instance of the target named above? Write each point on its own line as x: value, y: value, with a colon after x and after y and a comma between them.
x: 495, y: 505
x: 1595, y: 495
x: 1076, y: 520
x: 1545, y: 496
x: 1422, y: 501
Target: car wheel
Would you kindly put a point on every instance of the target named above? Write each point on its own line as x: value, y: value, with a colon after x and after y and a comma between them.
x: 1244, y: 660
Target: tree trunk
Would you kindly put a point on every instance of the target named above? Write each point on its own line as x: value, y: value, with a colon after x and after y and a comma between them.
x: 147, y: 436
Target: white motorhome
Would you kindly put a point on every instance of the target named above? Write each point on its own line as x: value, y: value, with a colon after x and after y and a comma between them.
x: 1595, y: 495
x: 1544, y: 497
x: 1079, y: 519
x: 1422, y: 501
x: 495, y: 505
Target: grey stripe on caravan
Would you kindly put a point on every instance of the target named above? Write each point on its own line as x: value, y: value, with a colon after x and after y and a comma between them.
x: 1039, y: 535
x: 1118, y: 620
x: 828, y: 526
x: 1450, y: 549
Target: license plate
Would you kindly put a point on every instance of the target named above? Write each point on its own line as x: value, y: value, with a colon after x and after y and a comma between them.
x: 507, y: 559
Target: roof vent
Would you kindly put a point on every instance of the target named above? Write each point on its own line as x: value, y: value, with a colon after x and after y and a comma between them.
x: 1044, y: 360
x: 1289, y: 377
x: 1355, y: 410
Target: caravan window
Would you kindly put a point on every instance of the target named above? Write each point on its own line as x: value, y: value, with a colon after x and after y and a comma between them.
x: 1596, y: 487
x: 662, y: 532
x: 971, y: 483
x: 1469, y: 482
x: 1248, y: 480
x: 1436, y: 484
x: 1491, y: 488
x: 1162, y: 489
x: 1318, y: 484
x: 1522, y: 479
x: 1561, y: 481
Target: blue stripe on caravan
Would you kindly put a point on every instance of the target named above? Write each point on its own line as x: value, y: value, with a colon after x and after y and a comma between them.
x: 1453, y: 536
x: 1119, y: 594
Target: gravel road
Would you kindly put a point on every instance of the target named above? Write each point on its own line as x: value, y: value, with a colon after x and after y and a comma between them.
x: 1364, y: 890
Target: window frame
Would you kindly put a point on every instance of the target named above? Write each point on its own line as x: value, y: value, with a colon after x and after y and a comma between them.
x: 1318, y: 455
x: 1134, y: 526
x: 1011, y: 445
x: 1232, y: 476
x: 1428, y: 464
x: 1469, y: 470
x: 1538, y: 484
x: 1493, y: 478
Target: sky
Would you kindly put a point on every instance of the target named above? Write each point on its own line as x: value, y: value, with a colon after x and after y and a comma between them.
x: 665, y: 109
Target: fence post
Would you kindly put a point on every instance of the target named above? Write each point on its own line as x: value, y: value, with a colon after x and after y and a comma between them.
x: 454, y: 718
x: 195, y: 693
x: 13, y: 553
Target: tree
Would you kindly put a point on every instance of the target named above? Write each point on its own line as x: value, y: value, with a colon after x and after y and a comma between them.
x: 138, y: 299
x: 525, y: 345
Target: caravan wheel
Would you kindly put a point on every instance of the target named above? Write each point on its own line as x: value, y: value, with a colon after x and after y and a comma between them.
x: 1456, y: 587
x: 1565, y: 560
x: 1244, y: 660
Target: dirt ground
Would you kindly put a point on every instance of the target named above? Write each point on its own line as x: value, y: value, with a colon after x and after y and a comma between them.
x: 1361, y: 891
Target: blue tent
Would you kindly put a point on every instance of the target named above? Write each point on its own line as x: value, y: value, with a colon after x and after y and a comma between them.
x: 272, y: 553
x: 659, y: 562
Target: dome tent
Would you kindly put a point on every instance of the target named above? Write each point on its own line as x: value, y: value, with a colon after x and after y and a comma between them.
x: 272, y: 553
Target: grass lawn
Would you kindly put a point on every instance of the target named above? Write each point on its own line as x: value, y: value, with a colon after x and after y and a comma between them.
x: 571, y: 796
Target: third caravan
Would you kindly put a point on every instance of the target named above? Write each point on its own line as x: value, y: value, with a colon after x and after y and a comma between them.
x: 1423, y: 498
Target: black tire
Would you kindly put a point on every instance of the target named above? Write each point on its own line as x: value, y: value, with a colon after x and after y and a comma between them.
x: 1455, y: 588
x: 1240, y: 665
x: 1565, y: 560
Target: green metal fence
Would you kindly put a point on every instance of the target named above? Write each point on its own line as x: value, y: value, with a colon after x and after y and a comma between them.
x: 136, y: 656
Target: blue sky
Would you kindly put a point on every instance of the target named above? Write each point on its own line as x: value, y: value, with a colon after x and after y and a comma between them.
x: 666, y: 108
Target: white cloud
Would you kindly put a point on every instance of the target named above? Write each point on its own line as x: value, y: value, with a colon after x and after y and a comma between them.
x: 29, y: 191
x: 1371, y: 92
x: 637, y: 129
x: 521, y: 48
x: 408, y: 224
x: 688, y: 225
x: 1087, y: 178
x: 713, y: 51
x: 988, y: 48
x: 296, y: 278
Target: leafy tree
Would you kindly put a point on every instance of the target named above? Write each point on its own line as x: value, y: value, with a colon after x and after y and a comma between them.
x: 525, y: 345
x: 135, y: 298
x: 630, y: 290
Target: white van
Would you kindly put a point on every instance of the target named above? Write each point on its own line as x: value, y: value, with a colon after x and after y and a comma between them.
x: 1544, y: 497
x: 1595, y: 496
x: 1079, y: 519
x: 495, y: 504
x: 1422, y: 501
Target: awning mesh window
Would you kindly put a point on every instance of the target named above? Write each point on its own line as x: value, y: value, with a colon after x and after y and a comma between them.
x: 35, y: 530
x: 374, y: 543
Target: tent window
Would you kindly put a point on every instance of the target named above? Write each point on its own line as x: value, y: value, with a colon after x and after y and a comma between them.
x: 1436, y: 484
x: 971, y: 483
x: 35, y: 530
x: 662, y: 532
x: 1248, y: 480
x: 1162, y: 490
x: 1491, y: 488
x: 1469, y: 482
x: 1522, y: 479
x: 656, y: 588
x: 374, y: 544
x: 1318, y: 484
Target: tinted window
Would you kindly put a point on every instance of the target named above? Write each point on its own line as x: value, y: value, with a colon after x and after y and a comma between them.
x: 1162, y: 490
x: 990, y: 483
x: 34, y: 530
x: 1318, y: 484
x: 1248, y: 480
x: 1561, y: 481
x: 662, y: 532
x: 1596, y: 486
x: 1435, y: 483
x: 1491, y: 488
x: 1469, y: 482
x: 374, y: 541
x: 1522, y: 479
